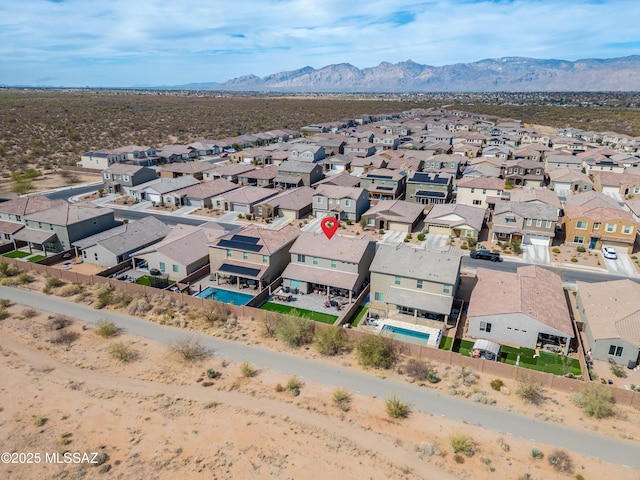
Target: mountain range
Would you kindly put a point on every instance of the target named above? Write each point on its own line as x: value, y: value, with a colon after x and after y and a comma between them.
x: 508, y: 74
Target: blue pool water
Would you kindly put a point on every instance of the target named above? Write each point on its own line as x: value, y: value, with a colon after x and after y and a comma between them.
x: 405, y: 335
x: 225, y: 296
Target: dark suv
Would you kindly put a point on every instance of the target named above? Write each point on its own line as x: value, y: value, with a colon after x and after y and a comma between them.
x: 486, y: 255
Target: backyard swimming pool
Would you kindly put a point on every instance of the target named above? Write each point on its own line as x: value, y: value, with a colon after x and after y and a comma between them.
x: 225, y: 296
x: 405, y: 335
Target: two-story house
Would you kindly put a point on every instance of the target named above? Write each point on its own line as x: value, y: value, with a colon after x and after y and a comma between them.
x: 623, y: 184
x: 361, y: 165
x: 596, y: 227
x: 429, y: 188
x: 229, y: 171
x: 293, y: 173
x: 120, y: 177
x: 14, y: 211
x: 451, y: 164
x: 526, y: 222
x: 336, y: 267
x: 566, y: 181
x: 479, y: 192
x: 252, y: 255
x: 294, y: 203
x: 182, y: 169
x: 307, y: 153
x: 343, y: 203
x: 528, y: 173
x: 413, y: 285
x: 260, y: 177
x: 384, y: 184
x: 360, y: 149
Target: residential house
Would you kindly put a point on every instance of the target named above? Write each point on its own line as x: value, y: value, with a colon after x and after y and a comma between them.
x: 343, y: 203
x: 360, y: 149
x: 610, y: 312
x: 14, y: 211
x: 342, y: 179
x: 331, y: 145
x: 408, y: 165
x: 386, y: 141
x: 244, y: 199
x: 56, y: 228
x: 307, y: 153
x: 597, y: 163
x: 114, y: 246
x: 395, y: 215
x: 591, y: 198
x: 230, y: 172
x: 455, y: 220
x: 481, y: 170
x: 336, y: 267
x: 479, y: 192
x: 192, y: 169
x: 553, y: 162
x: 120, y: 177
x: 528, y: 222
x: 293, y: 173
x: 383, y: 184
x: 616, y: 184
x: 182, y: 252
x: 429, y: 188
x: 527, y: 137
x: 260, y: 177
x: 159, y: 190
x: 524, y: 309
x: 252, y: 255
x: 566, y: 181
x: 451, y: 164
x: 176, y: 153
x: 98, y: 159
x: 337, y: 163
x: 523, y: 172
x: 596, y: 227
x: 295, y: 204
x: 414, y: 285
x: 201, y: 195
x: 360, y: 165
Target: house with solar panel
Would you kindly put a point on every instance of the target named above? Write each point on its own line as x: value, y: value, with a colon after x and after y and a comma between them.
x: 252, y: 257
x: 429, y: 188
x: 384, y: 184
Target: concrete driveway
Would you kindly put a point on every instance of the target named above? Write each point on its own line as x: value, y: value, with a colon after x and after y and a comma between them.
x: 536, y: 254
x: 435, y: 242
x: 313, y: 226
x: 623, y: 265
x: 393, y: 236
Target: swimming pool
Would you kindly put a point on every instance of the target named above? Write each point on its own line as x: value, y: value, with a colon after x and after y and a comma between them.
x: 225, y: 296
x: 405, y: 335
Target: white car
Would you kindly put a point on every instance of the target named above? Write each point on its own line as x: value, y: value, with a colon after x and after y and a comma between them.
x: 609, y: 252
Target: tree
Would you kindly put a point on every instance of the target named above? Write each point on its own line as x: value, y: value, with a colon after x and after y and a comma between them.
x: 331, y: 340
x: 376, y: 351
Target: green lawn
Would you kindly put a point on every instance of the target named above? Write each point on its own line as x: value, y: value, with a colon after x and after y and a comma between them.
x: 445, y: 343
x: 463, y: 347
x: 299, y: 312
x: 37, y: 258
x: 359, y: 315
x: 146, y: 281
x: 16, y: 254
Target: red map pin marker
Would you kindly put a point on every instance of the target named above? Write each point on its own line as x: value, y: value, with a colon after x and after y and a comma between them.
x: 329, y: 226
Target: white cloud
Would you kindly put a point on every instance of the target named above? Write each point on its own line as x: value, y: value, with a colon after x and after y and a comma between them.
x: 127, y: 42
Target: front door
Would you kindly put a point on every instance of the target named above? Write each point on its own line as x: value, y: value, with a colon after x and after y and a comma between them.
x: 592, y: 243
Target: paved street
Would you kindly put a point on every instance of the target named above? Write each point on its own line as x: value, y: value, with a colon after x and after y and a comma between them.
x: 536, y: 254
x: 623, y: 265
x: 507, y: 423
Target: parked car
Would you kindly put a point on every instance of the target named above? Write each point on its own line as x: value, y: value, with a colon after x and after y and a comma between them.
x: 609, y: 252
x: 155, y: 271
x: 486, y: 255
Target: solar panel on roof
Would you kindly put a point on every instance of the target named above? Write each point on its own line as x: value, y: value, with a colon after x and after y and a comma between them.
x: 426, y: 193
x: 244, y: 238
x: 250, y: 247
x: 238, y: 270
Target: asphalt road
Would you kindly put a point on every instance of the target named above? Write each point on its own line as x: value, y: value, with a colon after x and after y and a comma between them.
x: 506, y: 423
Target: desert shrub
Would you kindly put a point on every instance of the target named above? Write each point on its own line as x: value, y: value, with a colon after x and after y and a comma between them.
x: 59, y: 322
x: 529, y: 390
x: 293, y: 386
x: 64, y: 338
x: 71, y: 290
x: 8, y: 270
x: 104, y: 296
x: 294, y: 331
x: 419, y: 370
x: 331, y: 340
x: 483, y: 398
x: 216, y: 313
x: 25, y: 278
x: 106, y: 328
x: 536, y: 454
x: 139, y: 306
x: 560, y: 461
x: 618, y: 370
x: 466, y: 375
x: 270, y: 323
x: 595, y: 401
x: 4, y: 313
x: 581, y: 249
x: 461, y: 443
x: 504, y: 445
x: 396, y: 408
x: 28, y: 313
x: 427, y: 449
x: 574, y: 260
x: 279, y: 388
x: 342, y: 399
x: 556, y: 250
x: 5, y: 303
x: 122, y: 352
x: 376, y: 351
x: 119, y: 298
x: 51, y: 283
x: 188, y: 349
x: 39, y: 420
x: 421, y: 237
x: 497, y: 384
x: 247, y: 370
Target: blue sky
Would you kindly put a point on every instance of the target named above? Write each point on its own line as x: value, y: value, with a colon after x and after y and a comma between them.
x: 171, y: 42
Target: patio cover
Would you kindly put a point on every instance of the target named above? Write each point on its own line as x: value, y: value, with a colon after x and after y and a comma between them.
x: 321, y: 276
x: 487, y: 346
x: 34, y: 236
x: 242, y: 269
x: 429, y: 302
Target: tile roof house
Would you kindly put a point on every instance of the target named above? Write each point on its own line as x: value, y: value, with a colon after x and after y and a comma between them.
x: 526, y: 222
x: 295, y: 203
x: 193, y: 169
x: 455, y: 220
x: 158, y: 190
x: 525, y: 309
x: 395, y: 215
x: 260, y: 177
x: 342, y: 179
x: 523, y: 172
x: 596, y: 227
x: 591, y: 198
x: 363, y: 165
x: 535, y: 195
x: 339, y: 266
x: 343, y: 203
x: 294, y: 173
x: 611, y: 183
x: 251, y: 255
x: 566, y: 181
x: 384, y: 184
x: 245, y: 199
x: 113, y: 246
x: 475, y: 192
x: 182, y: 252
x: 229, y: 171
x: 414, y: 285
x: 120, y: 177
x: 553, y: 162
x: 610, y: 312
x: 202, y: 195
x: 429, y: 188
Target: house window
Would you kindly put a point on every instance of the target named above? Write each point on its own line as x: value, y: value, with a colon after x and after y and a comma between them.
x: 473, y: 190
x: 477, y: 202
x: 319, y: 200
x: 581, y: 225
x: 347, y: 203
x: 397, y: 281
x: 548, y: 224
x: 315, y: 260
x: 510, y: 219
x: 419, y: 284
x: 485, y: 327
x: 636, y: 190
x: 446, y: 289
x: 578, y: 239
x: 301, y: 258
x: 84, y: 254
x: 596, y: 225
x: 610, y: 227
x: 371, y: 221
x: 484, y: 191
x: 229, y: 253
x: 334, y: 263
x: 7, y: 236
x: 529, y: 222
x: 95, y: 256
x: 162, y: 267
x: 378, y: 296
x: 538, y: 223
x: 615, y: 350
x: 245, y: 256
x: 176, y: 268
x: 265, y: 258
x: 626, y: 229
x: 107, y: 176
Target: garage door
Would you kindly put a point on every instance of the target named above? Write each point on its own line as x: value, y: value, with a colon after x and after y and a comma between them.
x: 240, y: 207
x: 290, y: 214
x: 439, y: 230
x: 543, y: 241
x: 620, y: 246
